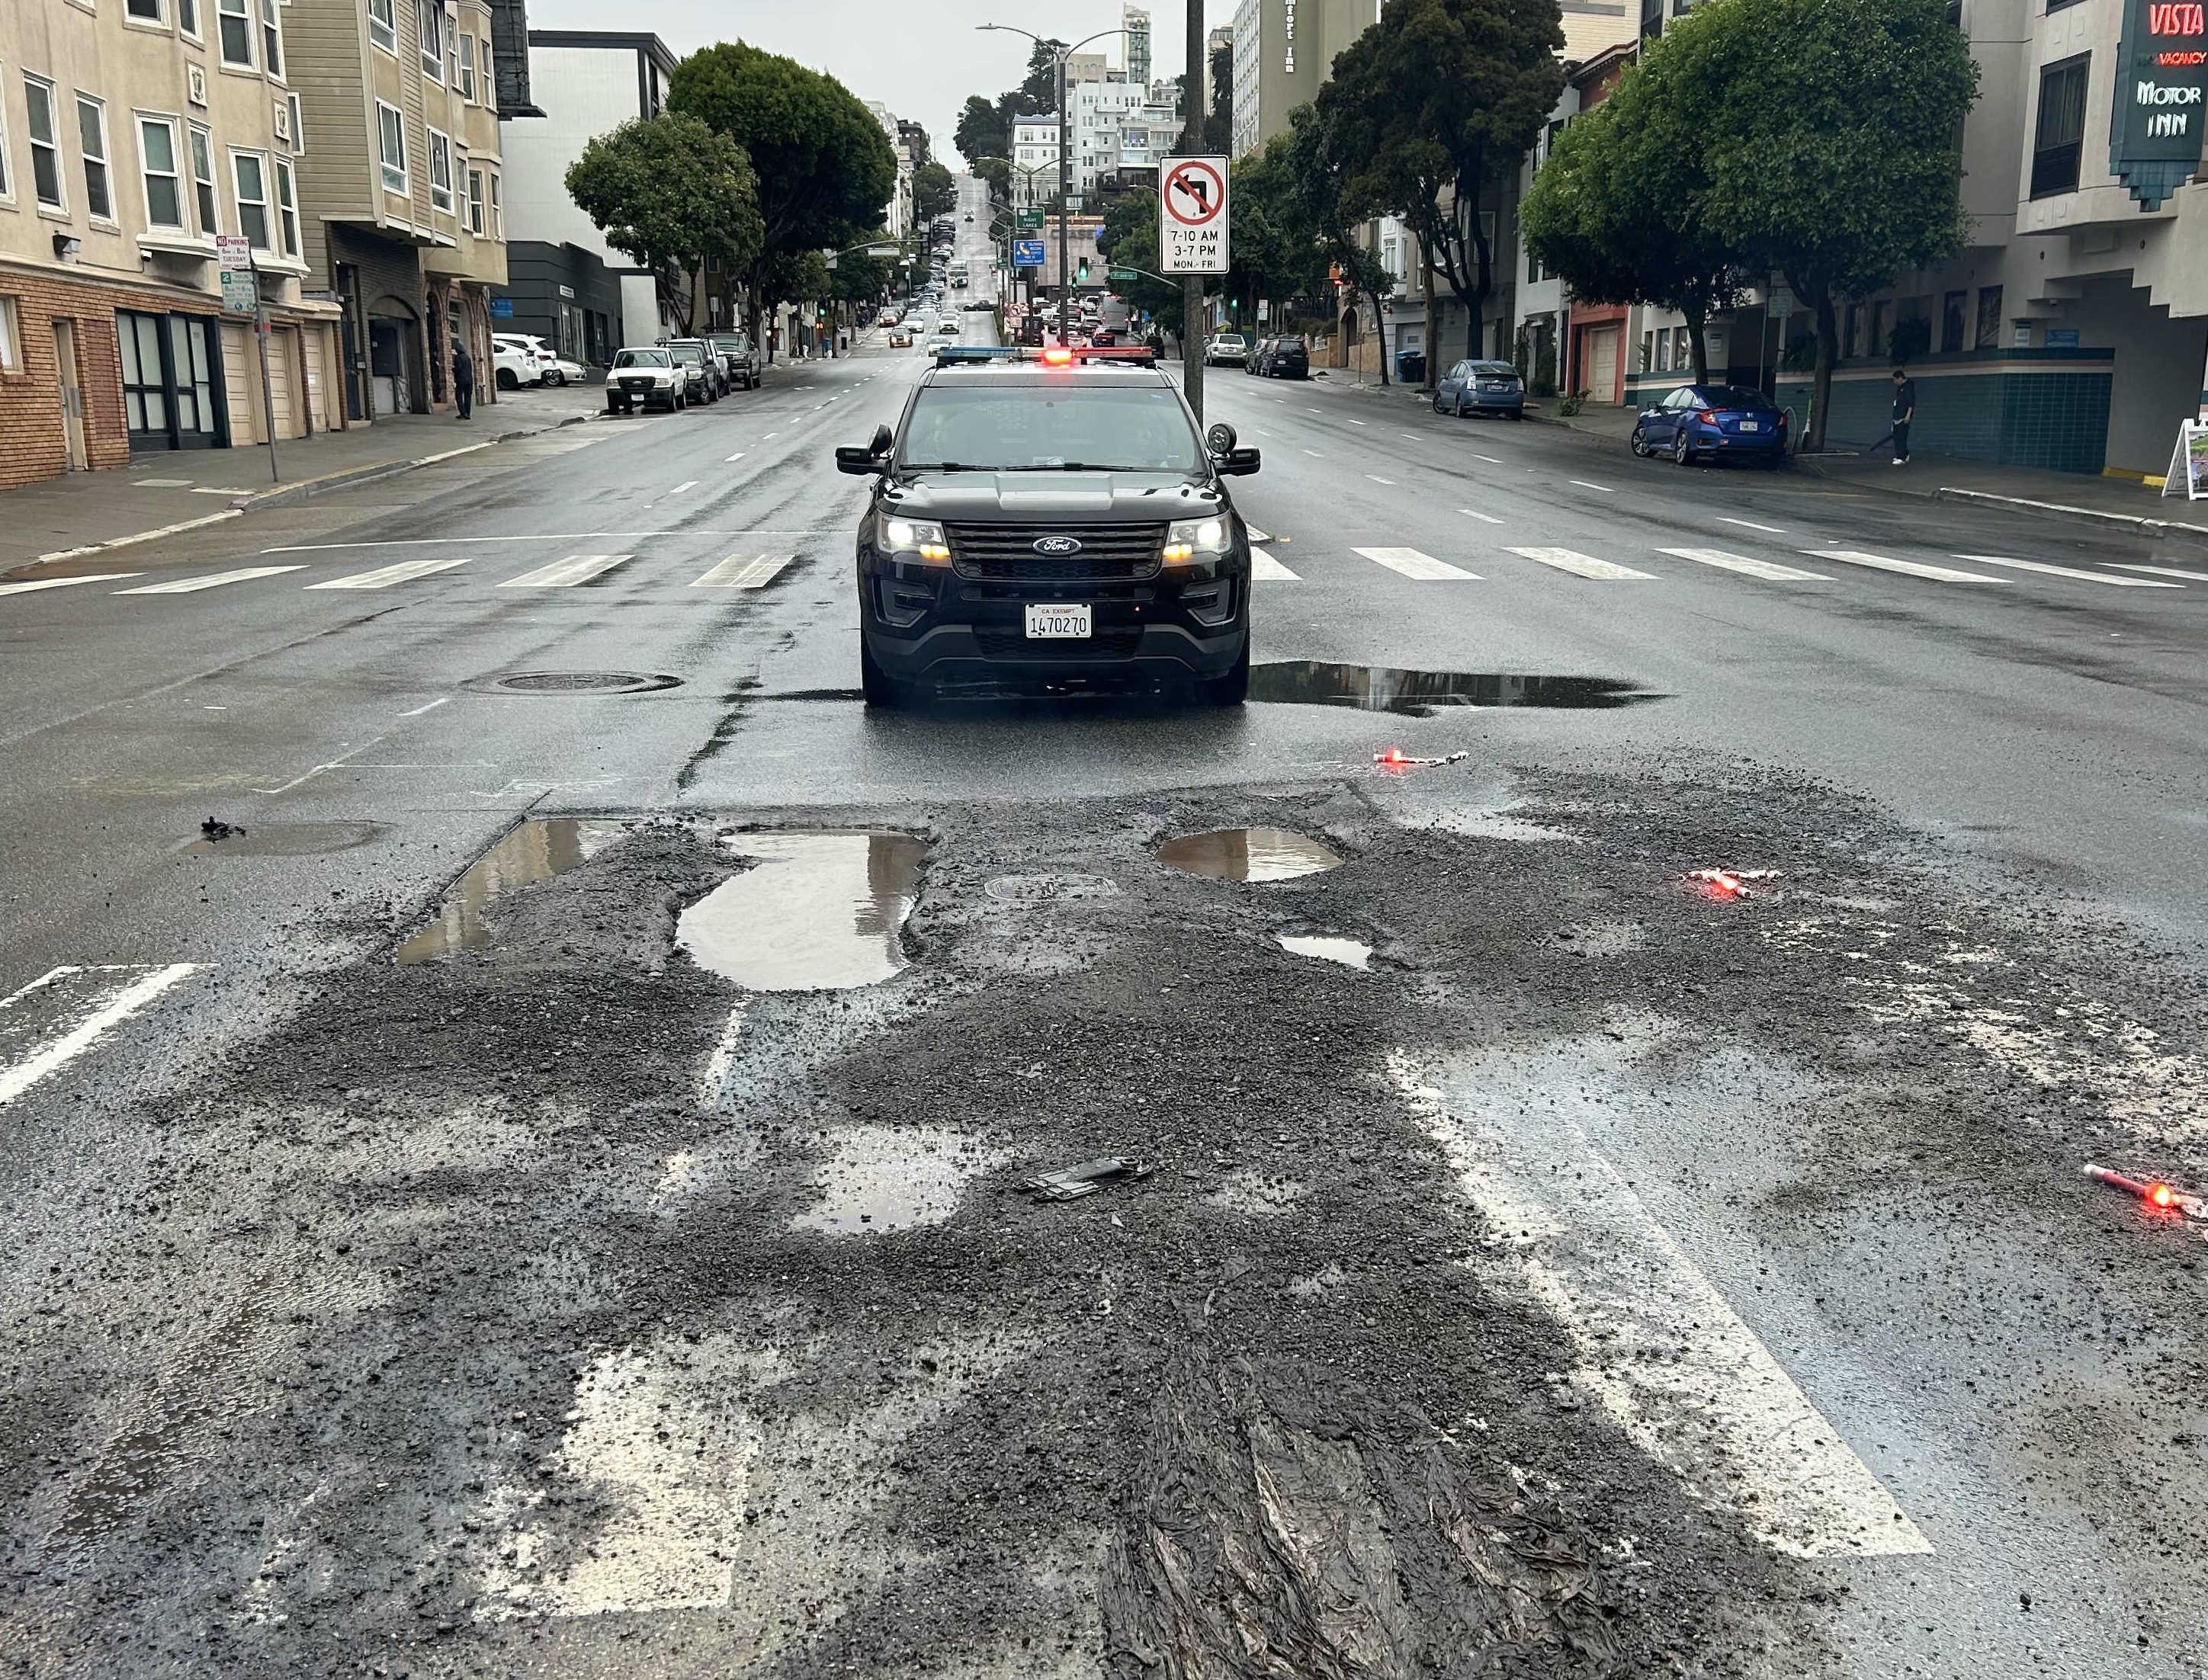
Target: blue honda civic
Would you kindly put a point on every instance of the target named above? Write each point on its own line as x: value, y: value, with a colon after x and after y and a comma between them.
x: 1711, y: 423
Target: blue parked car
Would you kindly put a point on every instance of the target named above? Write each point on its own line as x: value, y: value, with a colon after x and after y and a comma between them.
x: 1481, y: 388
x: 1713, y: 422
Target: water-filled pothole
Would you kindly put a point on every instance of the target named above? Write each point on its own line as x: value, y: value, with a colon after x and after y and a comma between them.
x: 281, y: 839
x: 536, y: 851
x: 886, y: 1177
x: 1421, y: 694
x: 816, y: 912
x: 1328, y: 948
x: 1249, y: 855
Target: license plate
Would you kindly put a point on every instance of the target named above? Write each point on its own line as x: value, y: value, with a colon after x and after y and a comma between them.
x: 1058, y: 623
x: 1751, y: 425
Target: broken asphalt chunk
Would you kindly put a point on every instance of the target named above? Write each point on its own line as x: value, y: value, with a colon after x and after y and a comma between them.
x: 1069, y: 1183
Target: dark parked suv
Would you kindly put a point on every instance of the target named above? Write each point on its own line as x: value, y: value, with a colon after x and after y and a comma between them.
x: 739, y: 361
x: 1285, y: 358
x: 1051, y: 519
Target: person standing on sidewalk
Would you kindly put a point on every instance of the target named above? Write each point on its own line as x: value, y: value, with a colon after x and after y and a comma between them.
x: 463, y: 379
x: 1904, y: 410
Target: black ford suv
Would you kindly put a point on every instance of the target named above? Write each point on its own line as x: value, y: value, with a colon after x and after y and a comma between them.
x: 1051, y: 519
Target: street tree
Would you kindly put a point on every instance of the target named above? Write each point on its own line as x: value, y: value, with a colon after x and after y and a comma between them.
x: 824, y: 168
x: 1219, y: 120
x: 1129, y: 239
x: 984, y: 130
x: 1038, y: 92
x: 673, y: 196
x: 998, y: 172
x: 1438, y: 101
x: 1830, y: 131
x: 1319, y: 169
x: 933, y: 192
x: 1274, y: 253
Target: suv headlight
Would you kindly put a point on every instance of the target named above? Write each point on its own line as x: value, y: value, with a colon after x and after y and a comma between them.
x: 920, y: 538
x: 1187, y: 539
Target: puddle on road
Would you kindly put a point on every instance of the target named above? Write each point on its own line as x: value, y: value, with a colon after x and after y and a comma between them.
x: 886, y: 1177
x: 537, y: 851
x: 285, y: 840
x: 1328, y: 948
x: 816, y: 912
x: 1421, y: 694
x: 1249, y: 855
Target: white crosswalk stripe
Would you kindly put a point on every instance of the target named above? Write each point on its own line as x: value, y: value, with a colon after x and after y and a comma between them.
x: 1256, y: 535
x: 384, y: 576
x: 566, y: 573
x: 211, y: 580
x: 1412, y: 564
x: 1742, y: 563
x: 2163, y: 572
x: 1579, y: 564
x: 28, y: 584
x: 2067, y: 571
x: 1907, y: 568
x: 1264, y: 569
x: 63, y: 1013
x: 744, y: 572
x: 1474, y: 513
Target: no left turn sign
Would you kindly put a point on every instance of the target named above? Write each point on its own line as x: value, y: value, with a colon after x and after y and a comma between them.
x: 1192, y: 216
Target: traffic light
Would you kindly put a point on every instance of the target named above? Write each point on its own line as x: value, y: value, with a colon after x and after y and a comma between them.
x: 1081, y: 271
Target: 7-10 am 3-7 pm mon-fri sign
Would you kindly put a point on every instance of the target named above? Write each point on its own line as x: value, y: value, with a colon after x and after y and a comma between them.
x: 1192, y: 216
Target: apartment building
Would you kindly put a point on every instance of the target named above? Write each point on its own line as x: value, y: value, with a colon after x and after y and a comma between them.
x: 402, y: 189
x: 132, y: 133
x: 1283, y: 50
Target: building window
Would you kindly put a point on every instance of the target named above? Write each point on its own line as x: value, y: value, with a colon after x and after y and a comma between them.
x: 429, y: 25
x: 2059, y: 137
x: 383, y: 25
x: 11, y: 337
x: 1989, y: 317
x: 146, y: 11
x: 476, y: 202
x: 271, y: 39
x: 235, y: 30
x: 45, y: 150
x: 441, y: 172
x: 497, y: 212
x: 287, y: 209
x: 391, y: 134
x: 252, y: 179
x: 156, y: 156
x: 188, y: 17
x: 298, y: 128
x: 92, y: 135
x: 1952, y: 307
x: 468, y: 68
x: 202, y: 150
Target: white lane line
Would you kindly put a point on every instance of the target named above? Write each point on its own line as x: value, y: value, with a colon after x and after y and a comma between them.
x: 85, y: 1010
x: 566, y: 573
x: 1776, y: 531
x: 2161, y: 571
x: 1474, y: 513
x: 432, y: 706
x: 1492, y: 460
x: 1315, y: 454
x: 2068, y: 571
x: 744, y: 572
x: 1413, y: 436
x: 771, y: 434
x: 211, y: 580
x: 1357, y: 422
x: 1754, y: 568
x: 1309, y: 410
x: 1412, y: 564
x: 1264, y: 569
x: 1377, y: 479
x: 1579, y: 564
x: 31, y: 584
x: 548, y: 536
x: 384, y: 577
x: 1589, y: 484
x: 1908, y: 567
x: 738, y: 456
x: 1650, y: 1338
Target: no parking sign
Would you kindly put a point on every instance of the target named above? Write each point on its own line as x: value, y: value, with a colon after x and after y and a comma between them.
x: 1192, y: 216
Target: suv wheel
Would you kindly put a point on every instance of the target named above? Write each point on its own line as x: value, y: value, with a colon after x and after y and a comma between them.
x: 879, y: 689
x: 1233, y: 688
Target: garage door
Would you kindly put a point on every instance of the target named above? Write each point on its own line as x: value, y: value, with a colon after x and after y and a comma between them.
x: 1602, y: 364
x: 283, y: 375
x: 241, y: 379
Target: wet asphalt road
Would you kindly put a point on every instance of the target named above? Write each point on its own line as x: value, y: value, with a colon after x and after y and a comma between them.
x: 1637, y: 1281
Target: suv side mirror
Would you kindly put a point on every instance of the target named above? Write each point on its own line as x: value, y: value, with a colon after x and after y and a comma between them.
x: 1220, y: 441
x: 1236, y: 464
x: 871, y: 459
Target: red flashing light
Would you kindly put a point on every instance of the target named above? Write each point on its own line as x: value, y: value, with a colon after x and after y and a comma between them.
x: 1056, y: 358
x: 2162, y: 1196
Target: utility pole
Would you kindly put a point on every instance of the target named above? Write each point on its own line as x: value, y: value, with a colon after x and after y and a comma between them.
x: 1064, y: 186
x: 1191, y: 285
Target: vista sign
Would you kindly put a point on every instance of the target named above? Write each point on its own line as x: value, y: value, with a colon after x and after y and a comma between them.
x: 2162, y: 98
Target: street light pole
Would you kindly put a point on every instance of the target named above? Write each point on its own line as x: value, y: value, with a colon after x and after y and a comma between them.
x: 1064, y: 186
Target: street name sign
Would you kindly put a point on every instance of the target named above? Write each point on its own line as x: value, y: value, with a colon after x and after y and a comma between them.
x: 1192, y: 216
x: 1123, y: 274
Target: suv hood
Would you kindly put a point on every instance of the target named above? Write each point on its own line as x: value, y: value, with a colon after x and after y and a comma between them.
x: 1051, y: 498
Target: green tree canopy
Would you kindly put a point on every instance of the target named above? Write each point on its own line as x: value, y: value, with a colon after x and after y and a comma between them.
x: 671, y: 195
x: 933, y: 192
x: 1219, y: 121
x: 1129, y: 238
x: 1319, y: 167
x: 984, y: 130
x: 859, y: 277
x: 1275, y: 252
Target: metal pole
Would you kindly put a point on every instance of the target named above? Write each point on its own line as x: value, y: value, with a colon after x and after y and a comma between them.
x: 267, y: 399
x: 1064, y: 186
x: 1191, y: 285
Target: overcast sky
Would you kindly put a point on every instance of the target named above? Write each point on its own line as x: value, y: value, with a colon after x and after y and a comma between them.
x: 921, y: 58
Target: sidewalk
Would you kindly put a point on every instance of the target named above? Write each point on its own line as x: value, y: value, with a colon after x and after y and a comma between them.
x: 156, y: 494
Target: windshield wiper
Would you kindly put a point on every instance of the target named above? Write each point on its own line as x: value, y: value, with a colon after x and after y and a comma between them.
x: 1079, y: 466
x: 941, y: 467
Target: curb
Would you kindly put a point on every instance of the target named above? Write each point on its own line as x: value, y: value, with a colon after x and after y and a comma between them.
x: 284, y: 496
x: 2138, y: 522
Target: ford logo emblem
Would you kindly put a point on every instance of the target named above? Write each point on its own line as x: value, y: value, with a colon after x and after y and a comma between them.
x: 1058, y: 545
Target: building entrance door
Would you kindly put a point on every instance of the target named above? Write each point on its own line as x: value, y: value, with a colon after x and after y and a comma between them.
x: 1602, y: 364
x: 386, y: 366
x: 72, y: 397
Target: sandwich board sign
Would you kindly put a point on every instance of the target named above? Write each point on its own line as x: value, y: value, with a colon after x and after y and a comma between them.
x: 1192, y: 216
x: 2188, y: 463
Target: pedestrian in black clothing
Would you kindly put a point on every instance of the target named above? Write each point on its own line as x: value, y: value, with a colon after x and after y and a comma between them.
x: 1904, y: 410
x: 463, y: 379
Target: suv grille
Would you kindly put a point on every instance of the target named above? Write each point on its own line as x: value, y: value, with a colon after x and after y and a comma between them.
x: 1005, y: 554
x: 1110, y: 641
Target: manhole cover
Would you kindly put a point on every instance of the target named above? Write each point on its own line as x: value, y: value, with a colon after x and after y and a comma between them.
x: 575, y: 683
x: 1045, y: 888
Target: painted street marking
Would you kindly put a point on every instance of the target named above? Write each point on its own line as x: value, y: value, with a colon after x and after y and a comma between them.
x: 1264, y: 569
x: 774, y: 435
x: 2068, y: 571
x: 1492, y: 460
x: 566, y: 573
x: 548, y: 536
x: 1474, y: 513
x: 211, y: 580
x: 1377, y: 479
x: 1412, y: 564
x: 1309, y: 410
x: 1357, y: 422
x: 744, y: 572
x: 1649, y: 1337
x: 162, y: 483
x: 432, y: 706
x: 1588, y: 484
x: 686, y: 484
x: 738, y: 456
x: 31, y: 584
x: 1579, y: 564
x: 1776, y: 531
x: 1909, y: 567
x: 63, y: 1013
x: 384, y: 577
x: 1256, y: 535
x: 1314, y: 454
x: 2161, y: 572
x: 1754, y: 568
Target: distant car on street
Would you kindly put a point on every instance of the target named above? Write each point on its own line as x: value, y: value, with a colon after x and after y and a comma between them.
x: 900, y: 337
x: 645, y: 376
x: 701, y: 367
x: 1714, y: 421
x: 1481, y: 388
x: 1285, y: 357
x: 521, y: 358
x: 1227, y: 350
x: 739, y: 361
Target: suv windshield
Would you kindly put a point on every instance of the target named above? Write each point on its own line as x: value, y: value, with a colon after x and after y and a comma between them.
x: 690, y: 355
x: 1039, y: 428
x: 734, y: 343
x: 642, y: 359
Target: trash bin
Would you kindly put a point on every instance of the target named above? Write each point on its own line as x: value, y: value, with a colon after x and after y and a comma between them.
x: 1410, y: 366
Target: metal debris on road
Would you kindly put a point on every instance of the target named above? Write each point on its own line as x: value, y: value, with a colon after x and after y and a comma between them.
x: 1729, y: 883
x: 1070, y: 1183
x: 1395, y: 759
x: 2156, y: 1193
